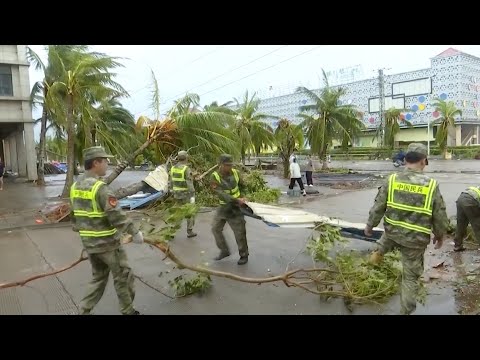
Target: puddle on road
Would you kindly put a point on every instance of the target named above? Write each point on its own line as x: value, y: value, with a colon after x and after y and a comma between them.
x: 457, y: 271
x: 467, y: 281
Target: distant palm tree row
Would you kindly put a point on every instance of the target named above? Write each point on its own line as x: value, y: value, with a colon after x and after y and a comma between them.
x: 81, y: 107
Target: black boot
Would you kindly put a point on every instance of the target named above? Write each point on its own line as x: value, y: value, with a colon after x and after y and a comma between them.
x: 191, y: 234
x: 135, y: 312
x: 242, y: 260
x: 223, y: 254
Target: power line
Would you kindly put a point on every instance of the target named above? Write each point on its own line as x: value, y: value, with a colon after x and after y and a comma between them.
x: 183, y: 66
x: 256, y: 72
x: 227, y: 72
x: 193, y: 61
x: 268, y: 67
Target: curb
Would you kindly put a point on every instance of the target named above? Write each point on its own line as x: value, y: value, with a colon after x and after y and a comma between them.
x: 35, y: 227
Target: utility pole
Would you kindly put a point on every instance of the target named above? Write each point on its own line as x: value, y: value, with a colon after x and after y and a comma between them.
x: 381, y: 104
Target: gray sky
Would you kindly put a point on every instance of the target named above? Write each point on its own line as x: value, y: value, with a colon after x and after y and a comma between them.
x: 215, y: 72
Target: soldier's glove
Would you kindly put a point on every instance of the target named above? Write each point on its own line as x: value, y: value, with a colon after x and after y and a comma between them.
x: 138, y: 238
x: 192, y: 200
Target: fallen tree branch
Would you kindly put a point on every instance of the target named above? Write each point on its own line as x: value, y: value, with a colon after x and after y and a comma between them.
x: 206, y: 173
x: 153, y: 287
x: 288, y: 278
x: 23, y: 282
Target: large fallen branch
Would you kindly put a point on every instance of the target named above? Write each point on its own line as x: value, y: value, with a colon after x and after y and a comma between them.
x: 36, y: 277
x: 287, y: 278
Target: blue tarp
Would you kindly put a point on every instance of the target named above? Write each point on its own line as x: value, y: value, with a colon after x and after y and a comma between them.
x: 139, y: 202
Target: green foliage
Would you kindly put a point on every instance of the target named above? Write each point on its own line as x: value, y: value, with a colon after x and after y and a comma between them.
x: 254, y: 181
x: 365, y: 281
x: 257, y: 189
x: 360, y: 280
x: 184, y: 286
x: 268, y: 196
x: 139, y: 160
x: 207, y: 198
x: 172, y: 216
x: 323, y: 240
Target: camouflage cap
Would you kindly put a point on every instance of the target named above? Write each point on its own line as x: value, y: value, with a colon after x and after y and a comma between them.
x: 226, y: 159
x: 417, y: 148
x: 182, y: 155
x: 95, y: 152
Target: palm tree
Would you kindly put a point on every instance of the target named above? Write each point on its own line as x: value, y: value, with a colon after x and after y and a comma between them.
x: 251, y: 131
x: 82, y: 80
x: 222, y: 108
x: 288, y: 137
x: 186, y: 127
x: 446, y: 122
x: 51, y: 73
x: 326, y: 120
x: 393, y: 119
x: 109, y: 125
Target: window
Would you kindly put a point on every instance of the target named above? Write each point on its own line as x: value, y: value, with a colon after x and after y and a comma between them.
x: 6, y: 85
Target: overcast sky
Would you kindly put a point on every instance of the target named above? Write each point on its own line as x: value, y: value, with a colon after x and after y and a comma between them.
x: 222, y: 72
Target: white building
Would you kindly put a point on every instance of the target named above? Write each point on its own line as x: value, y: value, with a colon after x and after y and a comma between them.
x: 452, y: 76
x: 17, y: 144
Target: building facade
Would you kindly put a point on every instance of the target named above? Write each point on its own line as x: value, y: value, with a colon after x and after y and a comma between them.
x: 17, y: 144
x: 452, y: 76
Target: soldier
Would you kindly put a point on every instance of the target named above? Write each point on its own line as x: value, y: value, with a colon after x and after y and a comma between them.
x: 182, y: 187
x: 413, y: 208
x: 228, y: 185
x: 100, y: 222
x: 468, y: 211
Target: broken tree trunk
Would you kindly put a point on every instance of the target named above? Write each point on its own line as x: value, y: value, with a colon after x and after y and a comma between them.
x: 131, y: 189
x: 131, y: 159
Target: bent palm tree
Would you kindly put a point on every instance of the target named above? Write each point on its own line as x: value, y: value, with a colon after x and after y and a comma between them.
x: 288, y: 137
x: 326, y: 120
x: 446, y: 122
x: 393, y: 119
x: 39, y: 94
x: 184, y: 127
x: 251, y: 131
x: 81, y: 81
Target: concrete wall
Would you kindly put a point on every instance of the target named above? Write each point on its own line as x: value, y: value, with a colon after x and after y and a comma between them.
x: 414, y: 135
x: 16, y: 121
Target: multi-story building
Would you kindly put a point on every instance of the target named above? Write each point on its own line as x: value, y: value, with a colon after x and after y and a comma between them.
x: 452, y: 76
x: 17, y: 144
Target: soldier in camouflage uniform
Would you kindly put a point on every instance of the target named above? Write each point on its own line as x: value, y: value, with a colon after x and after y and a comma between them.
x: 228, y: 185
x: 181, y: 185
x: 413, y: 208
x: 100, y: 221
x: 468, y: 211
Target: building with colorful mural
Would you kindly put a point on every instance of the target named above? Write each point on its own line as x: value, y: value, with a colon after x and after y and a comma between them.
x: 452, y: 76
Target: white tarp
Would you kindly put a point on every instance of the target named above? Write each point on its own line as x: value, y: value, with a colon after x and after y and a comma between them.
x: 158, y: 179
x: 293, y: 218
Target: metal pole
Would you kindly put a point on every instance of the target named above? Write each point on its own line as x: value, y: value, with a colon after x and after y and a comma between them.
x: 428, y: 137
x: 381, y: 104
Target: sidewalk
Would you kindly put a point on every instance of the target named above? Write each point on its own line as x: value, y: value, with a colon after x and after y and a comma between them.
x: 31, y: 250
x: 24, y: 253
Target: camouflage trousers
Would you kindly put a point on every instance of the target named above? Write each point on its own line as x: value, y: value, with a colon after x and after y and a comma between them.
x: 236, y: 220
x: 413, y: 266
x: 114, y: 261
x: 191, y: 221
x: 468, y: 211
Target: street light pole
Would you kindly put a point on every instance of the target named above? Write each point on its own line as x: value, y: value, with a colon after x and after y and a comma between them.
x: 428, y: 137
